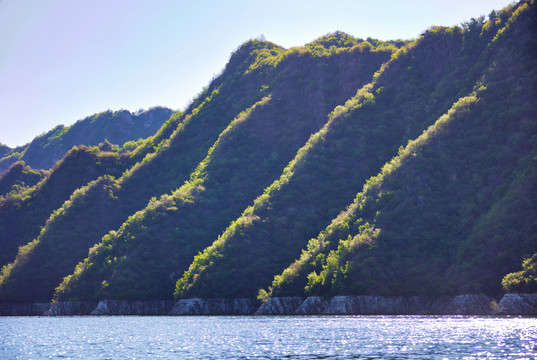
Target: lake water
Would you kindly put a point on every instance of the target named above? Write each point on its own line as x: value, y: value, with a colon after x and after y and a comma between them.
x: 311, y: 337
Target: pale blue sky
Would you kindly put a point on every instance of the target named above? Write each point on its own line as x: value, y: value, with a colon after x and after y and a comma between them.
x: 62, y: 60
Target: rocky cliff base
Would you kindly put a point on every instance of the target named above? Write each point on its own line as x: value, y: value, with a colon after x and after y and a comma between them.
x: 378, y: 305
x: 517, y: 304
x: 510, y: 304
x: 215, y: 307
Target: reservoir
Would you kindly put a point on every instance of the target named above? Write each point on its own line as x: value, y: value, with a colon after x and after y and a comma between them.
x: 270, y: 337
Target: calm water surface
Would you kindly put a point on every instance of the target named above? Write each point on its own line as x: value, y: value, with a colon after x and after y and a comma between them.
x: 334, y: 337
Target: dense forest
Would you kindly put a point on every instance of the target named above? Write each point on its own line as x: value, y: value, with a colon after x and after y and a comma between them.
x: 29, y: 196
x: 342, y: 167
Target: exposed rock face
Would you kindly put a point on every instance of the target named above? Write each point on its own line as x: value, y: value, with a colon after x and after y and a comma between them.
x: 214, y: 307
x: 280, y: 306
x: 67, y: 308
x: 461, y: 305
x: 378, y: 305
x: 313, y: 305
x: 517, y: 304
x: 510, y: 304
x: 125, y: 307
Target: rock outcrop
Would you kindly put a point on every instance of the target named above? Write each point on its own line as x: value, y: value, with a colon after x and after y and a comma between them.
x: 69, y: 308
x: 214, y: 307
x: 517, y: 304
x: 125, y: 307
x: 280, y: 306
x: 510, y: 304
x: 462, y: 305
x: 313, y: 305
x: 378, y: 305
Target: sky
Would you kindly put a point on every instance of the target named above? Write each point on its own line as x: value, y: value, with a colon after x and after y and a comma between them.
x: 64, y: 60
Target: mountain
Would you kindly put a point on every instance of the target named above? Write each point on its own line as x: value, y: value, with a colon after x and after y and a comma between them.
x: 117, y: 127
x: 342, y: 167
x: 22, y: 215
x: 24, y: 209
x: 19, y: 177
x: 4, y: 150
x: 255, y: 145
x: 454, y: 211
x: 415, y: 88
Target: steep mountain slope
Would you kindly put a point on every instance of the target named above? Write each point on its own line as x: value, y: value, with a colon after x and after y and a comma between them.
x: 409, y: 93
x: 4, y: 150
x: 23, y: 215
x: 448, y: 120
x: 455, y: 210
x: 118, y: 127
x: 145, y: 256
x: 182, y: 142
x: 19, y: 177
x: 25, y: 208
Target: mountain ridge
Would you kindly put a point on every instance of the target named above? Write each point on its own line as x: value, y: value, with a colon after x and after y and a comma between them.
x: 117, y: 127
x: 343, y: 167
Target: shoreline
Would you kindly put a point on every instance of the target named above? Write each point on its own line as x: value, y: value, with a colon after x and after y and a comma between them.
x: 469, y: 304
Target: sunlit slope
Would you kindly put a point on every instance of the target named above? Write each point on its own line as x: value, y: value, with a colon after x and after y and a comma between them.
x: 409, y: 94
x: 144, y: 258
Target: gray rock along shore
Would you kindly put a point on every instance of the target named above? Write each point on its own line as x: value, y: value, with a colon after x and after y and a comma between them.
x: 517, y: 304
x: 378, y: 305
x: 215, y: 307
x: 510, y: 304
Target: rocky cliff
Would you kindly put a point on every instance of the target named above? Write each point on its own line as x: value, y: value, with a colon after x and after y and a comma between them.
x: 517, y: 304
x: 69, y: 308
x: 378, y: 305
x: 280, y: 306
x: 214, y: 307
x: 510, y: 304
x: 124, y: 307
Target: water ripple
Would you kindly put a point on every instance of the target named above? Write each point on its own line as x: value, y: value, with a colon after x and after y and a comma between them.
x: 315, y: 337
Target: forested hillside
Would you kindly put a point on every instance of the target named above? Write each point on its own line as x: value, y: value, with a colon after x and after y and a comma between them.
x: 247, y: 156
x: 223, y: 101
x: 343, y: 167
x: 455, y: 210
x: 408, y: 94
x: 22, y: 214
x: 117, y: 127
x: 4, y: 150
x: 19, y: 178
x: 30, y: 196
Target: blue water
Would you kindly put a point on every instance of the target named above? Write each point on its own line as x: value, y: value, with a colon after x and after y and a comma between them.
x: 334, y: 337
